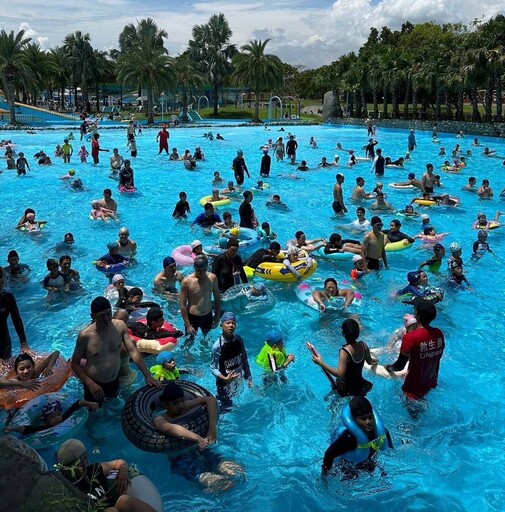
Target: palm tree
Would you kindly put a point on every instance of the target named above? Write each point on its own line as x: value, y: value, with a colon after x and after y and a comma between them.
x: 146, y: 63
x: 41, y: 66
x: 211, y: 48
x: 60, y: 72
x: 13, y: 65
x: 186, y: 77
x: 81, y: 62
x: 256, y: 69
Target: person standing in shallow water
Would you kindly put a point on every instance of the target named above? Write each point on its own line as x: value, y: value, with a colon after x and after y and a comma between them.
x: 239, y: 167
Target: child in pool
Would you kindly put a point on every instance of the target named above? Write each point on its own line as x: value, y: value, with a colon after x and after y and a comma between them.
x: 83, y: 154
x: 52, y: 415
x: 435, y: 262
x: 217, y: 179
x: 166, y: 369
x: 480, y: 246
x: 182, y: 207
x: 359, y: 269
x: 27, y: 371
x: 273, y: 358
x: 98, y: 212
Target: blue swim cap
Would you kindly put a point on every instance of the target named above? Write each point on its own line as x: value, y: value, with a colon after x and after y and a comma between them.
x: 164, y: 357
x: 273, y: 337
x: 168, y: 261
x: 227, y: 317
x: 411, y: 175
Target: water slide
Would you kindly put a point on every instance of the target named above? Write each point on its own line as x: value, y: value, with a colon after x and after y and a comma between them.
x: 28, y: 114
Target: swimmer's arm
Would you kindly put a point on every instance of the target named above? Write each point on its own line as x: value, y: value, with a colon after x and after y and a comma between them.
x: 173, y: 430
x: 336, y: 372
x: 384, y: 254
x: 45, y: 367
x: 346, y: 442
x: 364, y: 248
x: 79, y: 353
x: 318, y: 299
x: 183, y: 298
x: 368, y: 356
x: 400, y: 363
x: 11, y: 383
x: 217, y: 300
x: 348, y: 295
x: 245, y: 364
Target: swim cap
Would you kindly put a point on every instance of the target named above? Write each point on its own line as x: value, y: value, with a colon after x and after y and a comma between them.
x: 425, y: 216
x: 234, y: 232
x: 265, y: 151
x: 171, y: 393
x: 117, y: 277
x: 70, y: 451
x: 164, y: 357
x: 195, y: 244
x: 409, y: 320
x: 360, y: 406
x: 99, y: 304
x: 356, y: 258
x: 411, y: 175
x: 71, y: 172
x: 455, y: 247
x: 259, y: 287
x: 240, y: 152
x: 168, y: 261
x: 50, y: 407
x: 112, y: 245
x: 412, y: 277
x: 273, y: 337
x: 227, y: 317
x: 438, y: 247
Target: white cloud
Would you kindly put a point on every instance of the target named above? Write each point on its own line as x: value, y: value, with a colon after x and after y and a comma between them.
x: 310, y: 35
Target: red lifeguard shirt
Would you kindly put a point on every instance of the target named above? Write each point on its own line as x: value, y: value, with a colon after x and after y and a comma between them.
x: 425, y: 347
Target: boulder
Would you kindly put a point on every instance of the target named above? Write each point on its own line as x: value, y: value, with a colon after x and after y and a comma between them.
x: 331, y: 105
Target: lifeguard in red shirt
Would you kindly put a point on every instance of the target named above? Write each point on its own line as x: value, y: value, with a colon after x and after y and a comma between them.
x: 163, y: 137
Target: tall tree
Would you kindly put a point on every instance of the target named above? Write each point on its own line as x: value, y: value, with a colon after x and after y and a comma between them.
x: 13, y: 65
x: 211, y: 48
x: 186, y: 77
x: 259, y: 70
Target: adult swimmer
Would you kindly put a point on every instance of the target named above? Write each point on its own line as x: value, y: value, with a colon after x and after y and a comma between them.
x: 356, y: 455
x: 330, y: 292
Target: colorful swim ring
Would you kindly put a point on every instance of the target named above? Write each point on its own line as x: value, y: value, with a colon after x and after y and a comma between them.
x: 342, y: 256
x: 430, y: 294
x: 236, y: 300
x: 127, y: 190
x: 115, y: 268
x: 41, y: 225
x: 31, y: 413
x: 278, y: 271
x: 216, y: 204
x: 264, y: 188
x: 138, y: 425
x: 246, y: 237
x: 155, y: 346
x: 183, y: 255
x: 304, y: 293
x: 401, y: 245
x: 425, y: 202
x: 435, y: 239
x: 16, y: 397
x: 492, y: 224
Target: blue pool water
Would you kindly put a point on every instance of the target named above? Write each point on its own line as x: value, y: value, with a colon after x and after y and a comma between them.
x: 449, y: 458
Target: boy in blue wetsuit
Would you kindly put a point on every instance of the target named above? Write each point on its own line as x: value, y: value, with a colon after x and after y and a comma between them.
x: 358, y: 443
x: 480, y: 246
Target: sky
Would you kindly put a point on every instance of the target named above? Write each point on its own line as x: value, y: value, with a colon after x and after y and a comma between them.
x: 309, y: 34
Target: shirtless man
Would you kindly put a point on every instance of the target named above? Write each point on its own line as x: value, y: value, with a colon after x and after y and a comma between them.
x: 411, y: 180
x: 167, y: 279
x: 107, y: 201
x: 195, y: 298
x: 374, y: 246
x: 100, y: 344
x: 127, y: 247
x: 116, y: 160
x: 485, y: 191
x: 428, y: 179
x: 338, y: 199
x: 359, y: 194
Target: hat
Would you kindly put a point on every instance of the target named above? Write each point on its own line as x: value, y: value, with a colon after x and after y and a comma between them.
x: 168, y: 261
x: 273, y: 336
x: 70, y: 451
x: 425, y: 216
x: 360, y: 406
x: 356, y: 258
x: 455, y: 247
x: 112, y: 245
x: 409, y: 320
x: 117, y: 277
x: 227, y: 317
x: 194, y: 244
x: 164, y: 357
x: 259, y: 287
x: 171, y: 393
x: 232, y: 242
x: 413, y: 277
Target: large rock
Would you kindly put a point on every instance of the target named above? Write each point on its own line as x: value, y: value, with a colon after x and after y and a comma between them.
x: 330, y: 105
x: 27, y: 486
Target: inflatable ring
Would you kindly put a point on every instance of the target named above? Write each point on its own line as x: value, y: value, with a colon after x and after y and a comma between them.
x: 16, y: 397
x: 247, y: 237
x: 425, y: 202
x: 397, y: 186
x: 304, y: 293
x: 158, y: 345
x: 492, y: 224
x: 188, y: 165
x: 398, y: 246
x: 183, y: 255
x: 41, y: 225
x: 127, y: 190
x: 216, y: 204
x: 115, y: 268
x: 235, y: 300
x: 137, y: 419
x: 31, y: 412
x: 278, y: 271
x: 343, y: 256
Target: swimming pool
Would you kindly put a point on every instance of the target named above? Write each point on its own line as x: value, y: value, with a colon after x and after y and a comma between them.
x: 450, y: 458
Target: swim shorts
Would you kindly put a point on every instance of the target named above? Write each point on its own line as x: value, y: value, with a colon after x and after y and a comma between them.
x: 337, y: 207
x: 110, y: 389
x: 373, y: 264
x: 203, y: 322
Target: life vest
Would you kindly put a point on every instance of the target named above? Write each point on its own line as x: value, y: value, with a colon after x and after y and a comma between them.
x: 365, y: 448
x: 160, y: 373
x: 270, y: 358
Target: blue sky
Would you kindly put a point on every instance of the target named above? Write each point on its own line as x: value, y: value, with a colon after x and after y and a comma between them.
x: 302, y: 33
